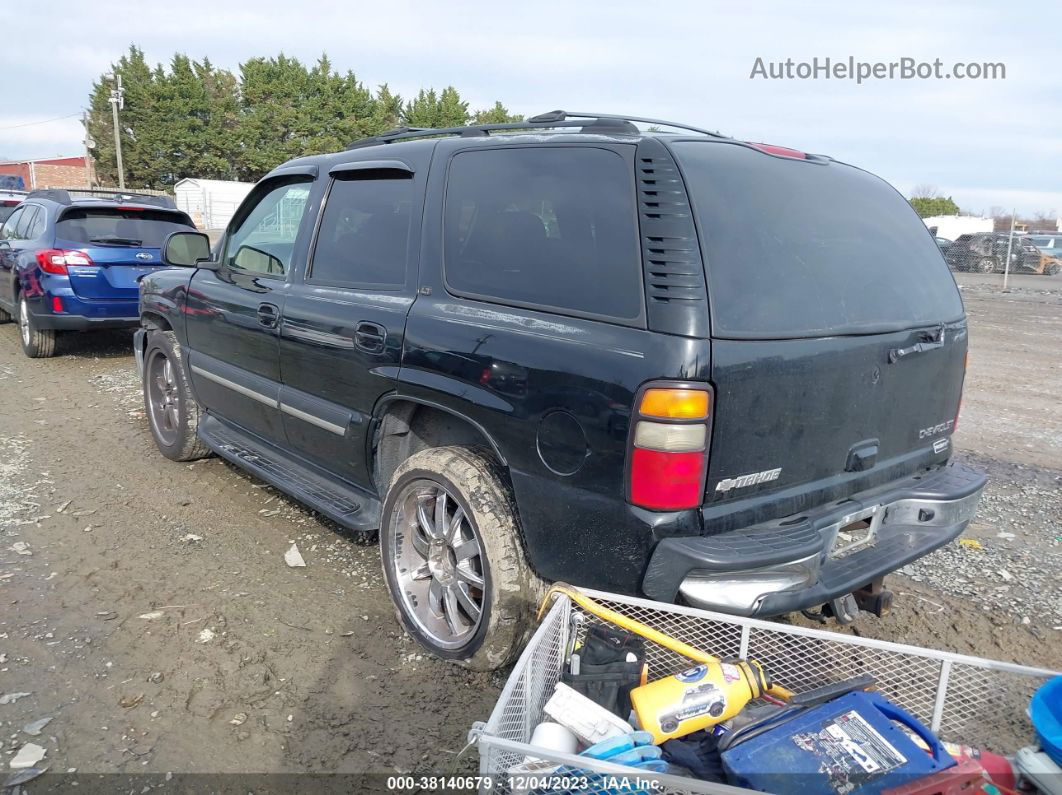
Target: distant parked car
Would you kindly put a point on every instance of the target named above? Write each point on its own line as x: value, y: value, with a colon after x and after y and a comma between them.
x: 73, y: 263
x: 9, y: 200
x: 986, y: 252
x: 943, y: 244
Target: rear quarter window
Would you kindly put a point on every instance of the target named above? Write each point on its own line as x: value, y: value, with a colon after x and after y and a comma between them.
x: 107, y: 226
x: 544, y: 227
x: 796, y: 248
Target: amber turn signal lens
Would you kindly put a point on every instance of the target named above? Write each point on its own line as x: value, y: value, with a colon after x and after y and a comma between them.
x: 675, y: 404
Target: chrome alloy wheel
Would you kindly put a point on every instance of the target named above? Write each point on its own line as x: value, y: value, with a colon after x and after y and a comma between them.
x: 163, y: 397
x: 23, y: 322
x: 438, y: 563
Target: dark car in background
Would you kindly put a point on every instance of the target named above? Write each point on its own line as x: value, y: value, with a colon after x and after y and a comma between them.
x: 986, y: 252
x: 672, y: 364
x: 73, y: 263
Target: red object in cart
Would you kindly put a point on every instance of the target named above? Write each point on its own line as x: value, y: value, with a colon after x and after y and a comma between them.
x: 967, y: 777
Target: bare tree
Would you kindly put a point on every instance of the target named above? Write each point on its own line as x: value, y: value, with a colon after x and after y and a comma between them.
x: 924, y: 190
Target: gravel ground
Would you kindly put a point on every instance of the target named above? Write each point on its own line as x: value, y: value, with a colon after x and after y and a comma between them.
x: 1011, y: 427
x: 148, y: 612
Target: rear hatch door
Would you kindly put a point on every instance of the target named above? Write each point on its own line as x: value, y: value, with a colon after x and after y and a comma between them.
x: 838, y: 334
x: 122, y: 242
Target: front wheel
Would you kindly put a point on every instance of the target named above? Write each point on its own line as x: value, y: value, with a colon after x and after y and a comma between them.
x: 37, y: 343
x: 986, y: 265
x: 172, y: 411
x: 453, y: 559
x: 1053, y: 269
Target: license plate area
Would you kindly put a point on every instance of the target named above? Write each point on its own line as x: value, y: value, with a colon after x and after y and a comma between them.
x: 856, y: 531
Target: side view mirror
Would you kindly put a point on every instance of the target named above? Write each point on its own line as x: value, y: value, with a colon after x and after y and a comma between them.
x: 255, y: 259
x: 186, y: 250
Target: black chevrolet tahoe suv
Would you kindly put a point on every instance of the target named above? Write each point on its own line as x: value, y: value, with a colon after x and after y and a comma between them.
x: 670, y: 364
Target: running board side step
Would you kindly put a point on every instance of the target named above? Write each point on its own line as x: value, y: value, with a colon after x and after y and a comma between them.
x: 340, y: 502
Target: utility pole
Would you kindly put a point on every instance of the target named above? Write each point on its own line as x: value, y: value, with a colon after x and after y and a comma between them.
x: 1010, y: 243
x: 117, y: 101
x: 90, y: 144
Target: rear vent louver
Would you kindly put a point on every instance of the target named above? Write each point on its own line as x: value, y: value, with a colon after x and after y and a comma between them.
x: 671, y: 257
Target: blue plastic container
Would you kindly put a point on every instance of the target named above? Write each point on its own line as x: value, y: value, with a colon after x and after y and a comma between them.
x: 857, y: 744
x: 1046, y: 713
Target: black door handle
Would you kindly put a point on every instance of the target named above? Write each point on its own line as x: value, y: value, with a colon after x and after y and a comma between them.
x: 370, y: 337
x: 268, y: 315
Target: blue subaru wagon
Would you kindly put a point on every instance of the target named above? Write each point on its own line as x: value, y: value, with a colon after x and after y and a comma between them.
x: 71, y: 263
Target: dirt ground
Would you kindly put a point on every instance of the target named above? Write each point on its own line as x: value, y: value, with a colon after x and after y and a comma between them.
x: 147, y: 609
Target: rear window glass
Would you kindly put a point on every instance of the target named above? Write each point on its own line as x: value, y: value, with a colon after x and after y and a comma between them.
x: 104, y: 226
x: 544, y: 226
x: 6, y: 210
x: 799, y: 249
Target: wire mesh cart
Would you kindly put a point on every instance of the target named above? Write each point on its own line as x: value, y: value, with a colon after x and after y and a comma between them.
x: 963, y: 699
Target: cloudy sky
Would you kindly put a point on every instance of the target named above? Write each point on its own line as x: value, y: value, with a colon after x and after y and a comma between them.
x: 985, y: 142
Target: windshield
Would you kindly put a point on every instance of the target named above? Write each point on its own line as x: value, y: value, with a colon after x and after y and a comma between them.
x: 1046, y: 241
x: 800, y: 249
x: 105, y: 226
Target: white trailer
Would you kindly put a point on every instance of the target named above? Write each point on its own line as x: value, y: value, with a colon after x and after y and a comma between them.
x: 951, y: 226
x: 211, y: 203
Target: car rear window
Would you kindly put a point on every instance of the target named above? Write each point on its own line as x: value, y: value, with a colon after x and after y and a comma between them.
x: 797, y: 248
x: 544, y: 227
x: 106, y: 226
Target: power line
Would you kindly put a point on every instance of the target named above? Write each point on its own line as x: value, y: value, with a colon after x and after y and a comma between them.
x: 45, y: 121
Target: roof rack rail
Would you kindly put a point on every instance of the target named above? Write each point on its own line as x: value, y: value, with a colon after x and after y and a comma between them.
x: 63, y: 196
x: 591, y: 122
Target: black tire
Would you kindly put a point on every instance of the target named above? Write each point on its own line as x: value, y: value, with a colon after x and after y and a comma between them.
x: 37, y: 343
x: 987, y: 265
x: 1053, y: 269
x: 510, y: 591
x: 173, y: 414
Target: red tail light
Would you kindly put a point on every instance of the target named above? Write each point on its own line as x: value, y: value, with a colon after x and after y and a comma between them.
x: 55, y: 260
x: 780, y: 151
x: 669, y: 454
x: 57, y: 304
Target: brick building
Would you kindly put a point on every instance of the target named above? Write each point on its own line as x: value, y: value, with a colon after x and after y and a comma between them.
x: 52, y: 172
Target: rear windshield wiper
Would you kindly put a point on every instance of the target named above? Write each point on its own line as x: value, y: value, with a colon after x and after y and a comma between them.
x: 116, y: 241
x: 929, y: 341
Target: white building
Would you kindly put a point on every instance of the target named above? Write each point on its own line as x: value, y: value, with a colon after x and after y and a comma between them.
x: 951, y: 226
x: 210, y: 202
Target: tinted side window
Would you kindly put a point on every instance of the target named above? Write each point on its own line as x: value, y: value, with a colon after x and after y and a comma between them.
x: 40, y: 220
x: 25, y: 223
x: 8, y: 230
x: 544, y: 226
x: 265, y: 239
x: 364, y: 234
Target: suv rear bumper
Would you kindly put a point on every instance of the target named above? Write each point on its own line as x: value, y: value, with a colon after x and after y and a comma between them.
x: 797, y: 562
x: 85, y: 315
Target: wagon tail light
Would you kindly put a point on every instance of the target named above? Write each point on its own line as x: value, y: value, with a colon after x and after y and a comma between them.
x: 669, y: 447
x: 55, y: 260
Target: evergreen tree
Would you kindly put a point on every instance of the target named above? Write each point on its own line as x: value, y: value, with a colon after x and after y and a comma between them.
x: 436, y: 110
x: 137, y: 116
x: 191, y: 119
x: 387, y: 111
x: 272, y: 125
x: 498, y: 114
x: 452, y: 111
